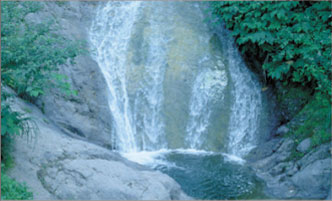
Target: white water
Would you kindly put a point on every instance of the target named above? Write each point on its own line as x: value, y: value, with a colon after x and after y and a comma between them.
x: 110, y: 40
x: 151, y: 53
x: 247, y: 106
x: 208, y: 86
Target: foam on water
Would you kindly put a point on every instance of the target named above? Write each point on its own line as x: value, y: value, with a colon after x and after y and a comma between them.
x: 233, y: 158
x: 152, y: 158
x: 155, y: 158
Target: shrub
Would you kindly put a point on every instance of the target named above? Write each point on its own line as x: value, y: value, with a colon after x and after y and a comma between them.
x: 291, y: 39
x: 30, y: 56
x: 31, y: 52
x: 12, y: 190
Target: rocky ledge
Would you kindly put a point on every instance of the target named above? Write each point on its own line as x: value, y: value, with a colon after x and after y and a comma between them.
x: 286, y: 178
x: 56, y: 166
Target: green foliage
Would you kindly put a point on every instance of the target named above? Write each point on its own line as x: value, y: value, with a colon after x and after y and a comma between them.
x: 31, y: 52
x: 12, y: 124
x: 12, y: 190
x: 291, y: 39
x: 30, y: 56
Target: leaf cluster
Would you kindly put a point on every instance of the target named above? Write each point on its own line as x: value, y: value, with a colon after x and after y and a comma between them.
x: 32, y: 52
x: 292, y: 39
x: 12, y: 190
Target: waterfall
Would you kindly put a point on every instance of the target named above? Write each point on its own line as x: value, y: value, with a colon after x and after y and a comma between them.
x: 208, y: 86
x: 170, y: 84
x: 247, y: 106
x: 110, y: 40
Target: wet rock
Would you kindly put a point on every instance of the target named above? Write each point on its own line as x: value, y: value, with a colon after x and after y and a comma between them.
x: 304, y: 145
x: 282, y: 153
x: 264, y: 150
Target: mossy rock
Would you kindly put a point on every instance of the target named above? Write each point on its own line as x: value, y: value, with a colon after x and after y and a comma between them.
x: 313, y: 121
x: 291, y: 99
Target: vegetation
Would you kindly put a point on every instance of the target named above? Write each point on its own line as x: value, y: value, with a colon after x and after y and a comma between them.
x: 291, y: 41
x: 30, y: 55
x: 31, y: 52
x: 12, y: 190
x: 314, y: 121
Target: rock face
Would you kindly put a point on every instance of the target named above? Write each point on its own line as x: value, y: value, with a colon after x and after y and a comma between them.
x: 307, y: 178
x: 87, y: 115
x: 57, y: 166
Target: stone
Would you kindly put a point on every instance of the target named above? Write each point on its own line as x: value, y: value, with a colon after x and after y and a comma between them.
x: 281, y: 154
x: 314, y: 181
x: 282, y: 130
x: 86, y: 116
x: 319, y: 153
x: 307, y: 178
x: 57, y: 166
x: 304, y: 145
x: 281, y: 189
x: 264, y: 150
x: 291, y: 100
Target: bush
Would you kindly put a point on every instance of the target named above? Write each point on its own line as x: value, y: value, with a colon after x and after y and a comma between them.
x: 30, y: 56
x: 31, y: 52
x: 314, y: 121
x: 292, y: 40
x: 12, y: 190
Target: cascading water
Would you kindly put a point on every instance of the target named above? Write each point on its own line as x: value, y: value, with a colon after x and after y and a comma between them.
x: 110, y: 40
x: 176, y: 86
x: 245, y: 110
x: 208, y: 87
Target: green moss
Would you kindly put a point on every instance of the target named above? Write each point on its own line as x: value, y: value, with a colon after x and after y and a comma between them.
x: 295, y: 155
x: 313, y: 121
x: 60, y: 3
x: 291, y: 99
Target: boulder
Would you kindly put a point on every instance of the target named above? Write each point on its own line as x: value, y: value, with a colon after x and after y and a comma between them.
x: 319, y: 153
x: 314, y: 181
x: 304, y: 145
x: 281, y: 153
x: 56, y: 166
x: 282, y: 130
x: 264, y: 150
